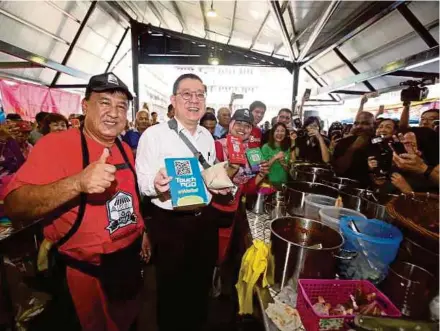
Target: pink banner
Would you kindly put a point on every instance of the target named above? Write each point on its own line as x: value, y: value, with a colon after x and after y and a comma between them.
x: 29, y: 99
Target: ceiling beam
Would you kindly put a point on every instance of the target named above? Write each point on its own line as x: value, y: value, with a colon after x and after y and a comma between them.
x: 157, y: 13
x: 62, y: 11
x: 232, y: 21
x: 414, y: 74
x: 45, y: 62
x: 179, y: 16
x: 255, y: 38
x: 75, y: 40
x: 271, y: 61
x: 117, y: 8
x: 19, y: 65
x: 117, y: 49
x: 295, y: 43
x: 33, y: 26
x: 317, y: 82
x: 205, y: 19
x: 349, y: 92
x: 383, y: 48
x: 417, y: 25
x: 278, y: 15
x: 352, y: 67
x: 373, y: 13
x: 294, y: 39
x: 429, y: 55
x: 322, y: 21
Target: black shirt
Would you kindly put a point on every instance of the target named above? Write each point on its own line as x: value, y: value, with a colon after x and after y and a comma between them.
x: 310, y: 149
x: 358, y: 168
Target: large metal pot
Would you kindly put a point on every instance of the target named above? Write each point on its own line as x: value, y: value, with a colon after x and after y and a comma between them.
x: 352, y: 197
x: 310, y: 174
x: 296, y: 191
x: 340, y: 182
x: 303, y: 248
x: 373, y: 205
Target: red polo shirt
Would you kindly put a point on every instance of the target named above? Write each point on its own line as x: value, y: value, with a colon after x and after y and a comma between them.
x: 112, y: 219
x: 255, y: 138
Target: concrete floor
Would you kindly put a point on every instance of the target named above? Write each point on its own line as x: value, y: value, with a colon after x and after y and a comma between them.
x: 222, y: 313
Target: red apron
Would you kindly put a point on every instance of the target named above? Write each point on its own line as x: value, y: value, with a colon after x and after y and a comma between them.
x: 107, y: 224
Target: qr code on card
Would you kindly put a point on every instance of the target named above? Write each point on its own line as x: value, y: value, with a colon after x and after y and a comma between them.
x: 182, y: 168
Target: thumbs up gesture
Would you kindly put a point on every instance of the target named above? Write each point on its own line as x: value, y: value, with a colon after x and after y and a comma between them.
x: 98, y: 176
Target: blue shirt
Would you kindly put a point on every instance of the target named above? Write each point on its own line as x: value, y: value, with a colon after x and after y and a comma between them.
x: 132, y: 137
x: 219, y: 131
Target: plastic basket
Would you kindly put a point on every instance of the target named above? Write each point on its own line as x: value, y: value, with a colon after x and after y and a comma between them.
x: 334, y: 292
x: 381, y: 240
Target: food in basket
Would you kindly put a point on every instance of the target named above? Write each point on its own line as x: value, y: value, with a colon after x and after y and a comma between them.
x: 359, y: 303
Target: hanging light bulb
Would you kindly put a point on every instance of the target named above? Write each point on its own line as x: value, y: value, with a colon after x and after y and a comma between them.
x: 211, y: 12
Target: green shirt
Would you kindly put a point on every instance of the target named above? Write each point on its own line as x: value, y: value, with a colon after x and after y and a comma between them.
x: 277, y: 173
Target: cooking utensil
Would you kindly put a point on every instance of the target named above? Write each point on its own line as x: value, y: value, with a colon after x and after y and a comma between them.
x: 392, y: 324
x: 410, y: 288
x: 311, y: 174
x: 295, y: 193
x: 341, y: 182
x: 352, y: 197
x: 374, y: 205
x: 303, y: 248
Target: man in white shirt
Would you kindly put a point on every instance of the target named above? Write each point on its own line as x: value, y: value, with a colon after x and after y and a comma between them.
x: 185, y: 242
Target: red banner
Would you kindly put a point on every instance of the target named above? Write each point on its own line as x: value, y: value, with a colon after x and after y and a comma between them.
x: 29, y: 99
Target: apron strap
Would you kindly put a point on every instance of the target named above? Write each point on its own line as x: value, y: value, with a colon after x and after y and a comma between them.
x: 127, y: 161
x: 82, y: 197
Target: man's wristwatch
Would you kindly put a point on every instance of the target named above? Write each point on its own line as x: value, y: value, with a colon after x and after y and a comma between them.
x: 428, y: 171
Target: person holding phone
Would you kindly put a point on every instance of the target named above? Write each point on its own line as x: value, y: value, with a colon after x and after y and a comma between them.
x: 311, y: 145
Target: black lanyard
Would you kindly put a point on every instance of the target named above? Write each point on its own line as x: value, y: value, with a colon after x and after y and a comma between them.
x: 83, y: 196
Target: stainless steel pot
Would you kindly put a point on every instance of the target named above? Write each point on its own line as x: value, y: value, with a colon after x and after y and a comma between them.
x: 374, y: 205
x: 352, y: 197
x: 310, y: 174
x: 303, y: 248
x: 296, y: 191
x: 341, y: 182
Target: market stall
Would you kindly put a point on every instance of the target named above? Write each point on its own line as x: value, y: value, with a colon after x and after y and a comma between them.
x: 377, y: 273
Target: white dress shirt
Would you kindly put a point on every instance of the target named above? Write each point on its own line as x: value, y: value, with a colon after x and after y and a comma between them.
x: 160, y: 142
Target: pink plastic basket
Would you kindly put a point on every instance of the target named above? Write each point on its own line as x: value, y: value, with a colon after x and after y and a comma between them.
x: 334, y: 292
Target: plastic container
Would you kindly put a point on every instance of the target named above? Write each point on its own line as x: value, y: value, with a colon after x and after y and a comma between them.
x: 377, y: 244
x: 331, y: 215
x: 334, y: 292
x: 314, y: 202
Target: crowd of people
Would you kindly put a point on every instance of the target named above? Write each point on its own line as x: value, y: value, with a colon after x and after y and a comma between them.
x: 90, y: 176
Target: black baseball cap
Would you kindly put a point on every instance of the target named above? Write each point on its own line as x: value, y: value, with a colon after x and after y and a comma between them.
x: 243, y: 115
x: 107, y: 82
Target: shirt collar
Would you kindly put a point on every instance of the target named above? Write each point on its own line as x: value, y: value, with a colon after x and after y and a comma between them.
x: 180, y: 128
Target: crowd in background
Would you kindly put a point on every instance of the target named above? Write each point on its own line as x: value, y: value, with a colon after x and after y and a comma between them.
x: 350, y: 148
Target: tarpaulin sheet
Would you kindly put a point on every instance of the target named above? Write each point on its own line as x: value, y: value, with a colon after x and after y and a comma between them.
x: 28, y: 99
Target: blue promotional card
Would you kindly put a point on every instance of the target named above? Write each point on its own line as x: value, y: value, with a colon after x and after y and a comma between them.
x: 187, y: 186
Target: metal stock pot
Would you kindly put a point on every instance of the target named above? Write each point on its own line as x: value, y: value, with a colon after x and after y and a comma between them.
x: 374, y: 205
x: 310, y: 174
x: 341, y: 182
x: 296, y: 191
x: 303, y: 248
x: 352, y: 197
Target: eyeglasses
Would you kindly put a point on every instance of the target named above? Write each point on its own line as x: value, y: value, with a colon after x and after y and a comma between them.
x: 187, y: 95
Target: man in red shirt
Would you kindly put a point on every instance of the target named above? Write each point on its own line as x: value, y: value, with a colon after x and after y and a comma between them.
x: 82, y: 182
x: 258, y: 109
